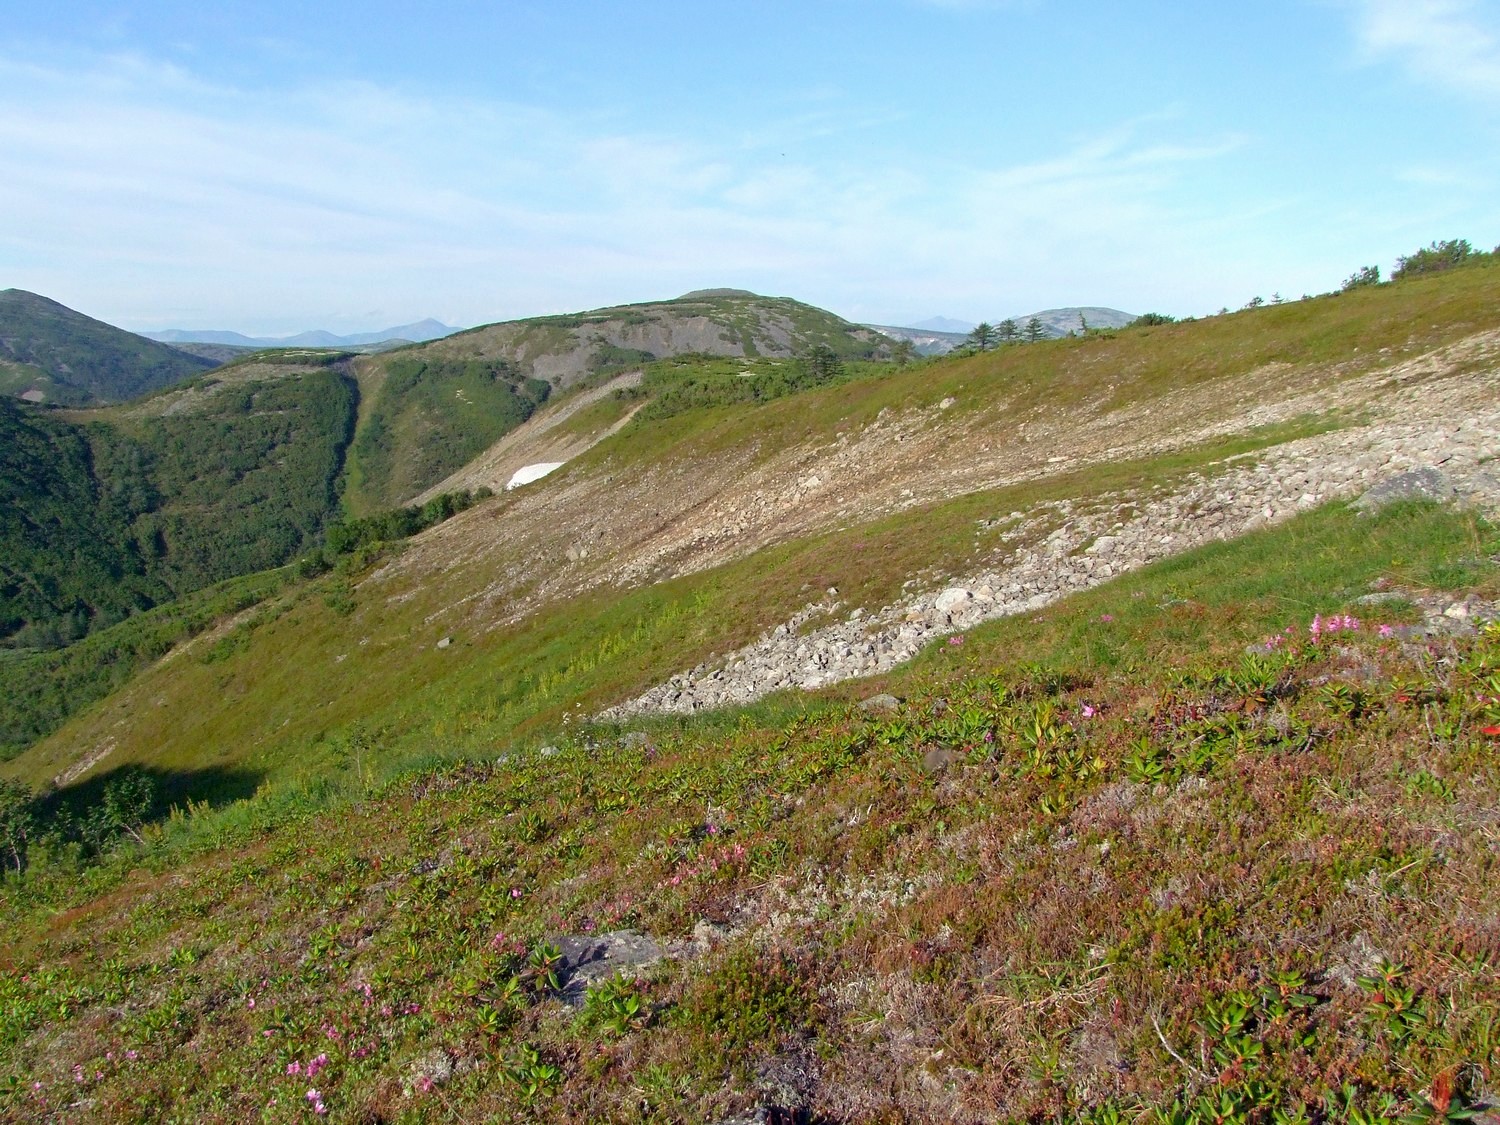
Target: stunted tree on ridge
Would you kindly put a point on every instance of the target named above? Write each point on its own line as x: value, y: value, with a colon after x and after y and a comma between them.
x: 982, y: 337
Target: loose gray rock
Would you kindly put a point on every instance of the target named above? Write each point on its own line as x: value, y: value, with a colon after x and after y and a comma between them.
x: 882, y: 702
x: 764, y: 1115
x: 953, y: 599
x: 1381, y: 597
x: 445, y: 642
x: 1425, y: 483
x: 939, y: 759
x: 588, y: 959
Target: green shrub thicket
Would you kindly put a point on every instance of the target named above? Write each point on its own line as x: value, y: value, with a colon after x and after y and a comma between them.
x: 106, y: 518
x: 430, y: 417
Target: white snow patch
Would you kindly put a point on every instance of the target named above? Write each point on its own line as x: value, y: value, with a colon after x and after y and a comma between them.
x: 528, y: 473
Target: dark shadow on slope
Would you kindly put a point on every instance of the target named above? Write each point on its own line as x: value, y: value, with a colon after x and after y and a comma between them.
x: 142, y: 794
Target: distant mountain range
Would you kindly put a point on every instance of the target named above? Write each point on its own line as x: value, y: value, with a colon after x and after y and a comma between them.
x: 939, y: 335
x: 943, y: 324
x: 418, y: 333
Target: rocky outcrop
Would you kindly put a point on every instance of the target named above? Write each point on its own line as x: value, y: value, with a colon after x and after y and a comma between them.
x: 1063, y: 551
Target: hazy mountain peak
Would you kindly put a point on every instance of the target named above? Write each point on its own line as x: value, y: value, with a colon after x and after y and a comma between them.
x: 942, y: 324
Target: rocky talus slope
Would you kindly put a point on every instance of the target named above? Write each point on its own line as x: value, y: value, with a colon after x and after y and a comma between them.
x: 1435, y: 440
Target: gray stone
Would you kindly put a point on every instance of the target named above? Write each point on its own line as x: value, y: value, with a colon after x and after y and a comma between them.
x: 953, y: 599
x: 938, y: 759
x: 882, y: 702
x: 1418, y: 484
x: 1382, y: 597
x: 445, y: 642
x: 588, y: 959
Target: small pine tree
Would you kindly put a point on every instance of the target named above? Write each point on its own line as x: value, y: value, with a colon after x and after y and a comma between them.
x: 1008, y: 332
x: 982, y: 337
x: 1035, y: 332
x: 822, y: 363
x: 1436, y: 258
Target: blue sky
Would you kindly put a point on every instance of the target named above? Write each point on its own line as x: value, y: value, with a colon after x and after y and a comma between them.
x: 272, y: 167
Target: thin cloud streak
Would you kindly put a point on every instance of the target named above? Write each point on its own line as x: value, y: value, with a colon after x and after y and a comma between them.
x: 145, y: 194
x: 1449, y: 43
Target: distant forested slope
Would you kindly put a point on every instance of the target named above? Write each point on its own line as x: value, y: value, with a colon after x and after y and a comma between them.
x: 117, y: 512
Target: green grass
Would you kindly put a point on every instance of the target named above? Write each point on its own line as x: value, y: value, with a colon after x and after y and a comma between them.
x: 44, y: 688
x: 1150, y: 877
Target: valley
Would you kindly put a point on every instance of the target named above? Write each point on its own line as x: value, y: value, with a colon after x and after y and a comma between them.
x: 1038, y: 733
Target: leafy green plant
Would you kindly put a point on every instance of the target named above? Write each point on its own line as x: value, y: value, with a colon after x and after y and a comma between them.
x: 533, y: 1078
x: 615, y: 1006
x: 1394, y: 1008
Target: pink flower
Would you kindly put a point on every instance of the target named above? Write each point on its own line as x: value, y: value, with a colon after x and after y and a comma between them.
x: 314, y: 1096
x: 250, y: 1003
x: 1106, y: 617
x: 294, y: 1067
x: 955, y: 641
x: 1089, y: 711
x: 1386, y: 631
x: 515, y: 892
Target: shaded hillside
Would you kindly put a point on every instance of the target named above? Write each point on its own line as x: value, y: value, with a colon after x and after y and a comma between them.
x: 428, y: 410
x: 49, y: 353
x: 110, y: 511
x: 430, y: 416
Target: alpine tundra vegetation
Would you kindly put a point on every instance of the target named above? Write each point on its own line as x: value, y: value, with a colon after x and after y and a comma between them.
x: 1096, y: 729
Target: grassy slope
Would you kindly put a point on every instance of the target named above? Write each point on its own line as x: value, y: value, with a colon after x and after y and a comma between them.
x: 306, y: 678
x: 1150, y: 874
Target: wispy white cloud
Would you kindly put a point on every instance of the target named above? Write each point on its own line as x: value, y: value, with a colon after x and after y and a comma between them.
x: 1450, y: 43
x: 147, y: 194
